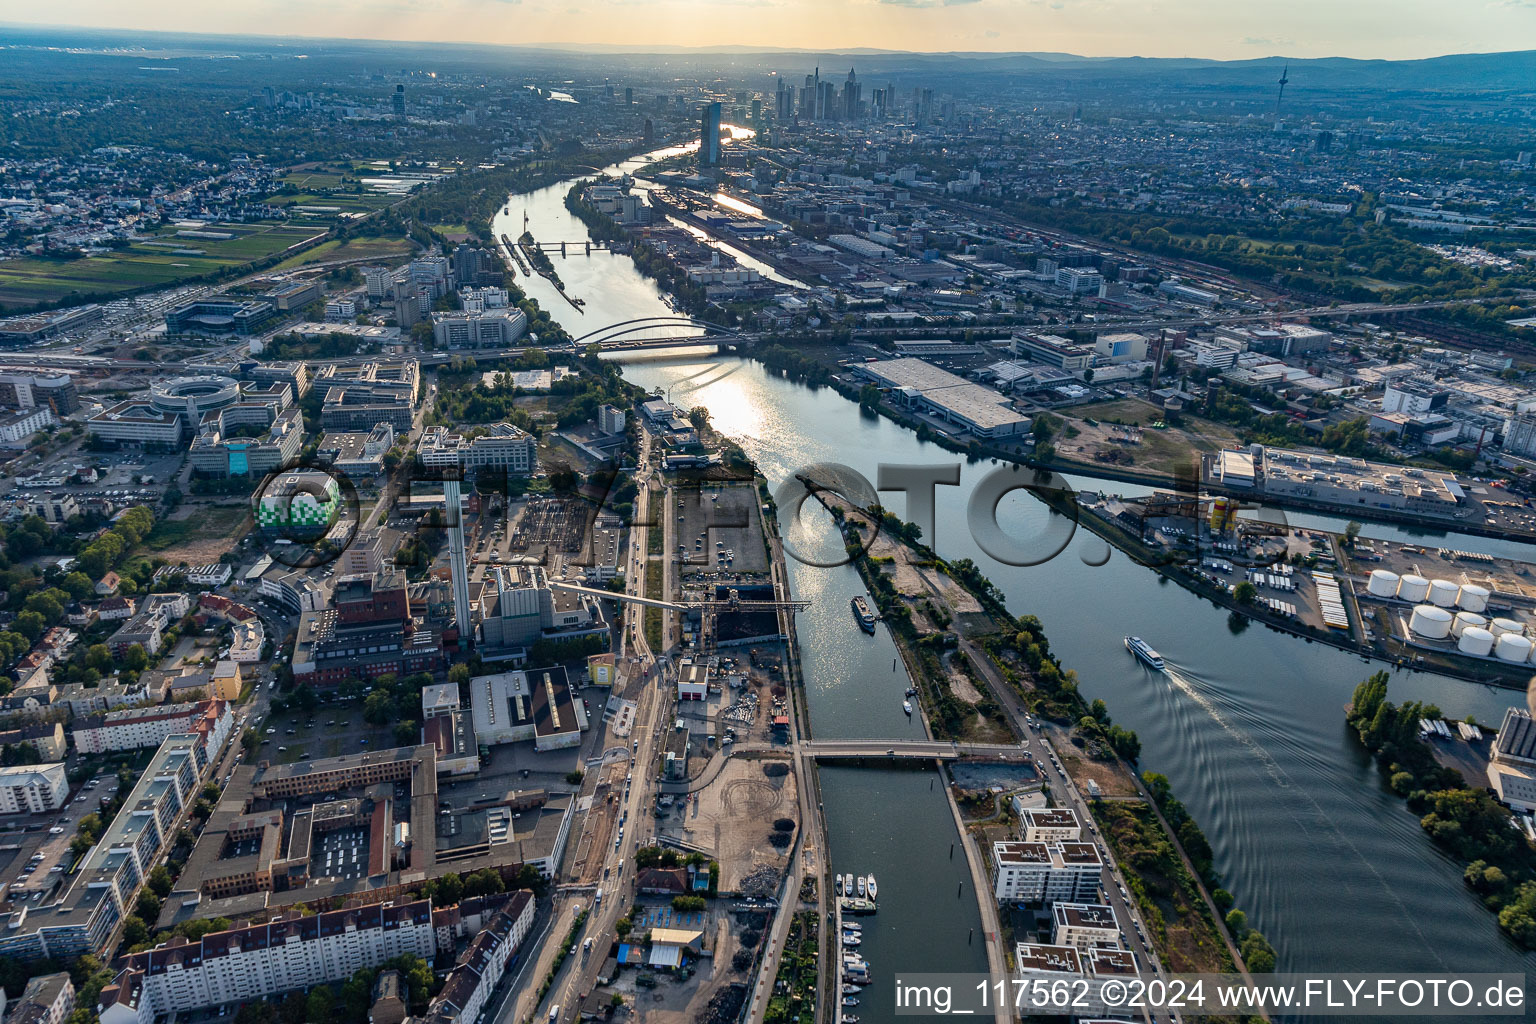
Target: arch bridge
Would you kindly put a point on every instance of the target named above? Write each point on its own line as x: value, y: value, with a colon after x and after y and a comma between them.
x: 636, y: 334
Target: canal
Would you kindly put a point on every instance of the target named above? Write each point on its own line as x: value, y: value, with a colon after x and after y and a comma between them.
x: 1248, y: 724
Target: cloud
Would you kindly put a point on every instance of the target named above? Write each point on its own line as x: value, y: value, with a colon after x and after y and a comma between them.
x: 992, y: 33
x: 927, y: 3
x: 1257, y: 41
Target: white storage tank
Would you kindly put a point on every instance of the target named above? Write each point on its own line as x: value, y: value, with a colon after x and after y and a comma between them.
x: 1473, y: 597
x: 1501, y: 626
x: 1431, y: 622
x: 1476, y: 641
x: 1512, y: 647
x: 1442, y: 593
x: 1413, y: 589
x: 1383, y: 583
x: 1467, y: 620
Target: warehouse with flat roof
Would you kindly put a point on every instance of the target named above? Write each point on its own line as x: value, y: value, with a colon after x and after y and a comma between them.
x: 945, y: 396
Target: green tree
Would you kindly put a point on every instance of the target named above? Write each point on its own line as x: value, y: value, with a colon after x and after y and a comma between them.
x: 319, y: 1008
x: 1245, y: 593
x: 99, y: 657
x: 135, y: 659
x: 160, y: 881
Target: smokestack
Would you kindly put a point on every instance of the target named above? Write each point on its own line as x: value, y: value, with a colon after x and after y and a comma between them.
x: 458, y: 561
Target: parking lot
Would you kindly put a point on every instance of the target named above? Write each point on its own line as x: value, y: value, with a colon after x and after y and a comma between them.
x: 342, y: 854
x: 717, y: 530
x: 329, y: 730
x: 38, y: 844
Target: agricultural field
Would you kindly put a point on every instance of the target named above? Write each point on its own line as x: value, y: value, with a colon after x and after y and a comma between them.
x: 362, y: 247
x: 162, y: 260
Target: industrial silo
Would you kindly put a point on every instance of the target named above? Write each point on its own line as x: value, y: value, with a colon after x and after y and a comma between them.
x: 1442, y: 593
x: 1512, y: 647
x: 1473, y: 597
x: 1383, y: 583
x: 1468, y: 620
x: 1475, y: 641
x: 1413, y: 589
x: 1498, y: 627
x: 1430, y: 622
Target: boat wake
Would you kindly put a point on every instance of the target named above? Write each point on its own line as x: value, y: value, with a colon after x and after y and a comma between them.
x: 1310, y: 818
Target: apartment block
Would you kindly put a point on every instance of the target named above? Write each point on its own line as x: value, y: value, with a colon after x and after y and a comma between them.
x: 245, y: 964
x: 1084, y: 926
x: 1035, y: 872
x: 33, y: 788
x: 136, y: 728
x: 474, y: 978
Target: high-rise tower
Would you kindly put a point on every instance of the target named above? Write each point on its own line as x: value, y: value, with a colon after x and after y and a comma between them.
x: 457, y: 560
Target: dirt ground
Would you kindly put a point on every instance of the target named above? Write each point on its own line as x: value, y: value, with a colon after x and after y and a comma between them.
x: 1158, y: 450
x: 197, y: 534
x: 734, y: 815
x: 1112, y: 779
x: 921, y: 581
x: 959, y: 682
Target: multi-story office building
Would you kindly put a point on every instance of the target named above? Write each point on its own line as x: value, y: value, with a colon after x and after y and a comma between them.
x: 1079, y: 280
x: 33, y: 390
x: 358, y: 397
x: 709, y: 136
x: 355, y: 453
x: 223, y: 446
x: 221, y: 315
x: 33, y: 788
x: 250, y: 963
x: 178, y: 407
x: 502, y: 446
x: 490, y: 328
x: 1024, y: 872
x: 1053, y: 350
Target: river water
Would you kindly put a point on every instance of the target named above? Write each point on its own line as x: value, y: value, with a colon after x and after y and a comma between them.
x: 1248, y: 726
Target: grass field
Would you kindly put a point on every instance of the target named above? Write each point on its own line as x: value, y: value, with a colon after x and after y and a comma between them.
x: 198, y: 535
x: 370, y: 247
x: 159, y: 261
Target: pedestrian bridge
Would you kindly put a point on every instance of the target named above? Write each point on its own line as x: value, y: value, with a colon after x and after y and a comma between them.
x: 913, y: 750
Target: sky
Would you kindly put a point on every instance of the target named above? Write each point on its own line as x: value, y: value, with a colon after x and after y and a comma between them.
x: 1222, y: 29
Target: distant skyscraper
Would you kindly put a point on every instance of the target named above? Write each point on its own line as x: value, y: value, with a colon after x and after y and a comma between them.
x: 650, y: 130
x: 398, y: 100
x: 629, y: 96
x: 757, y: 110
x: 851, y: 97
x: 709, y: 137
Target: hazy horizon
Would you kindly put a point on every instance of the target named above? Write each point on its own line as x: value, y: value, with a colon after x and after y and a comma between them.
x: 1209, y: 29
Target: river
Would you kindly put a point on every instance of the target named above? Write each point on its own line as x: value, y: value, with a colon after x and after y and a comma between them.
x: 1248, y: 726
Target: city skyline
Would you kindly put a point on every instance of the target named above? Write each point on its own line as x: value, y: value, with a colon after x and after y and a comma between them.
x: 1093, y: 28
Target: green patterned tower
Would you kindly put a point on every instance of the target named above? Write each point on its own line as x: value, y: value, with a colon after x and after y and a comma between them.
x: 306, y: 501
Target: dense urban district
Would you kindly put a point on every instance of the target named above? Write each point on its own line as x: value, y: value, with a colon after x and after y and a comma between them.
x: 376, y: 648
